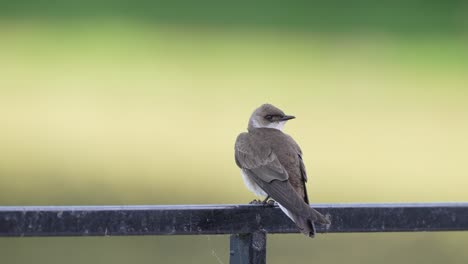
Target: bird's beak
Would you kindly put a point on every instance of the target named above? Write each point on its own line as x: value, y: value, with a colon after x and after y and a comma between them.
x: 286, y: 117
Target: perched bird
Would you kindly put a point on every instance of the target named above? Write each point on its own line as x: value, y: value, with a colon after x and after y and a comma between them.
x: 271, y: 165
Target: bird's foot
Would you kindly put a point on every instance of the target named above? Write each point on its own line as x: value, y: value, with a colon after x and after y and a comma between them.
x: 255, y: 201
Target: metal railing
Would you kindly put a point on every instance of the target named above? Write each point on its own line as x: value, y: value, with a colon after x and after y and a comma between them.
x: 247, y: 224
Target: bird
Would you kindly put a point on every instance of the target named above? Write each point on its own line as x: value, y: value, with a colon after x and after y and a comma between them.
x: 271, y: 166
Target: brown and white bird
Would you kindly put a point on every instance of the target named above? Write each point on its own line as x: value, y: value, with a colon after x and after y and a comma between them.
x: 272, y: 166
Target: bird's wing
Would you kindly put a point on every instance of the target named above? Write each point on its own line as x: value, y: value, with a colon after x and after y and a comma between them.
x: 299, y: 153
x: 304, y: 178
x: 258, y: 158
x: 301, y: 167
x: 283, y: 193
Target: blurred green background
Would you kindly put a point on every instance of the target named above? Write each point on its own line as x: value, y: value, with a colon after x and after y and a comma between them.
x: 140, y: 102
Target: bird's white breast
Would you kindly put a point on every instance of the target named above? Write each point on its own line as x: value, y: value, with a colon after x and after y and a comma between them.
x: 252, y: 186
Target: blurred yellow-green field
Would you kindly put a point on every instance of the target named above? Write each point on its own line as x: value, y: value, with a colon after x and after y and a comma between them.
x: 120, y: 111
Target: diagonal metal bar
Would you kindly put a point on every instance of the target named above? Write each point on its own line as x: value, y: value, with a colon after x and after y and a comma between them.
x: 224, y: 219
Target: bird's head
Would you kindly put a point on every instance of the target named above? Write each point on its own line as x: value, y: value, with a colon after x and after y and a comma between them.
x: 268, y: 116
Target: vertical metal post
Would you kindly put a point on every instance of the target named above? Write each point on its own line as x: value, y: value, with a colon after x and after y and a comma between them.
x: 248, y: 248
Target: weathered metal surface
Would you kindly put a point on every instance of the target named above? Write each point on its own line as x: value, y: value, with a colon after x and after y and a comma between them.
x: 248, y: 248
x: 223, y: 219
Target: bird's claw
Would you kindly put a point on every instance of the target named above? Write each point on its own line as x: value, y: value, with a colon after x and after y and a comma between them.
x: 265, y: 202
x: 255, y: 201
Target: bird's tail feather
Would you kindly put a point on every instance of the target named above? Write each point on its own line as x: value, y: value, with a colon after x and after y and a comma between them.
x: 318, y: 217
x: 286, y: 197
x: 306, y: 224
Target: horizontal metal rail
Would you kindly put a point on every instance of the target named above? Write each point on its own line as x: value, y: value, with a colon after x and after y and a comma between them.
x: 224, y: 219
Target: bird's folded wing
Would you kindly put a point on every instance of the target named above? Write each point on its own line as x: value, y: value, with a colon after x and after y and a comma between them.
x: 258, y: 158
x: 304, y: 178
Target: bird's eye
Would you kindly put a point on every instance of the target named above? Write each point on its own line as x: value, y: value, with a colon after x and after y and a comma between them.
x: 269, y: 117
